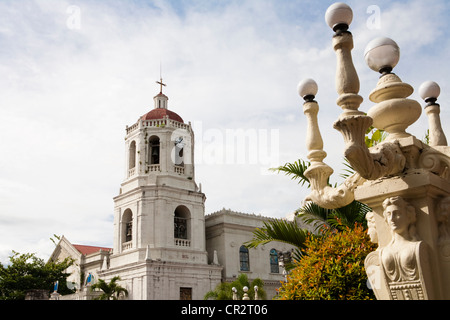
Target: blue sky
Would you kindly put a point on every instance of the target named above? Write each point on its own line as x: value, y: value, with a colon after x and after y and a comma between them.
x: 75, y: 73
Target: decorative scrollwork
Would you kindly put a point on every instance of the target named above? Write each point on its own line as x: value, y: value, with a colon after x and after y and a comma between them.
x: 436, y: 162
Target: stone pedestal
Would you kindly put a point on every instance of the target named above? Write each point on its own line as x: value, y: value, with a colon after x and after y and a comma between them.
x: 55, y: 296
x: 413, y: 263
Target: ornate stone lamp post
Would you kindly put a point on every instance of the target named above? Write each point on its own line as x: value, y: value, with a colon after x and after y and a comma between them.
x: 430, y: 91
x: 404, y: 181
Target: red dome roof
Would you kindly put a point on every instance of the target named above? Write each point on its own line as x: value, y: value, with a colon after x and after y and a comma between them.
x: 160, y: 113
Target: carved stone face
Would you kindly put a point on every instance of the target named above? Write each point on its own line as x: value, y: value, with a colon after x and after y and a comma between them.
x: 397, y: 219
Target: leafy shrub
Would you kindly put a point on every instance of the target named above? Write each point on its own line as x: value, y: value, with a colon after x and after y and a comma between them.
x: 332, y: 267
x: 28, y: 272
x: 224, y: 291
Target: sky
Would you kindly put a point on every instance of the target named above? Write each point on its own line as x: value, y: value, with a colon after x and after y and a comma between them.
x: 75, y: 73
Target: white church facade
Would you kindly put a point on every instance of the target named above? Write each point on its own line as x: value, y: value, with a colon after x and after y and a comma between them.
x: 164, y: 246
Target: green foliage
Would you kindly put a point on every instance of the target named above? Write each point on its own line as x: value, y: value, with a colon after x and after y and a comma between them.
x: 221, y: 292
x: 332, y: 267
x: 296, y: 170
x: 224, y: 291
x: 374, y: 136
x: 320, y: 218
x: 348, y: 171
x: 55, y: 239
x: 111, y: 290
x: 426, y: 138
x: 335, y: 252
x: 280, y: 230
x: 26, y: 272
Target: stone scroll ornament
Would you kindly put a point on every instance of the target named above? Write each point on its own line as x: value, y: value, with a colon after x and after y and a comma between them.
x: 398, y: 270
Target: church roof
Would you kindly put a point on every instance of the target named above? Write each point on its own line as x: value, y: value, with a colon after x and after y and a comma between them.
x: 161, y: 113
x: 161, y: 95
x: 89, y: 249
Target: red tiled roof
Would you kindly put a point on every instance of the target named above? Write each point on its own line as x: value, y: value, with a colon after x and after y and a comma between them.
x: 89, y: 249
x: 160, y: 113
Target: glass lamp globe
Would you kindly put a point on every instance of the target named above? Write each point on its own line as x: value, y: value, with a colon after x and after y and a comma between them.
x: 429, y: 90
x: 382, y: 54
x: 307, y: 89
x: 338, y: 14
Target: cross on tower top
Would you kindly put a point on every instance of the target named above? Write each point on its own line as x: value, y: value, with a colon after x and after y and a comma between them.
x: 160, y: 82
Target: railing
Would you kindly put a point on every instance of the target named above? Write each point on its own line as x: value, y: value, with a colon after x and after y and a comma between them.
x: 133, y: 127
x: 127, y: 245
x: 158, y: 123
x: 182, y: 242
x: 153, y: 167
x: 178, y: 125
x: 178, y: 169
x: 154, y: 123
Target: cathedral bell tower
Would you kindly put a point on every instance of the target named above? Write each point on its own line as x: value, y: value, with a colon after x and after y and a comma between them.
x: 159, y: 213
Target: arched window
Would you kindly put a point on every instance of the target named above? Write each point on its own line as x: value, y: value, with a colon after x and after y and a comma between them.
x: 127, y: 226
x: 181, y: 223
x: 154, y: 150
x: 274, y: 268
x: 244, y: 259
x: 132, y: 155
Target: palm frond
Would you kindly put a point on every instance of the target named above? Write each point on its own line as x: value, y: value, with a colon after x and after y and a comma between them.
x: 279, y: 230
x: 321, y: 218
x: 110, y: 291
x: 348, y: 171
x: 350, y: 214
x: 295, y: 170
x: 314, y: 215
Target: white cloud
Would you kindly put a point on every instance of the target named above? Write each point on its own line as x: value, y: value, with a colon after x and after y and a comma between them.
x: 69, y: 90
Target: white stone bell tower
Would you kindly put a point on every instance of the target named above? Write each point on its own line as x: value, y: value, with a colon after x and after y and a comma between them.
x: 159, y: 216
x: 160, y: 210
